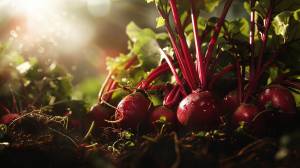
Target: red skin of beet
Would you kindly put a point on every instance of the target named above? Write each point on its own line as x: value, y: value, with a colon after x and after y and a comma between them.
x: 8, y: 118
x: 199, y: 111
x: 280, y: 97
x: 133, y: 110
x: 230, y: 102
x: 99, y: 113
x: 163, y: 111
x: 244, y: 113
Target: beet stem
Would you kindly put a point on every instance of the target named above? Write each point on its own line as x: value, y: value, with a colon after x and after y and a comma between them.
x: 220, y: 74
x: 172, y: 96
x: 264, y: 38
x: 110, y: 84
x: 199, y: 55
x: 252, y: 85
x: 177, y: 50
x: 104, y: 86
x: 161, y: 69
x: 239, y: 81
x: 259, y: 67
x: 217, y: 30
x: 251, y: 40
x: 187, y: 55
x: 172, y: 67
x: 7, y: 111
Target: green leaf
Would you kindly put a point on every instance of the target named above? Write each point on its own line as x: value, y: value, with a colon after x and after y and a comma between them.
x: 297, y: 15
x: 247, y: 6
x: 210, y: 5
x: 156, y: 100
x: 160, y: 22
x: 126, y: 135
x: 135, y: 33
x: 286, y: 26
x: 150, y: 1
x: 87, y: 90
x: 238, y: 29
x: 118, y: 95
x: 145, y: 46
x: 281, y: 24
x: 279, y: 6
x: 117, y: 63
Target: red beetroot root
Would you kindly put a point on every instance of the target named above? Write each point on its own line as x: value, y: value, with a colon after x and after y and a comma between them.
x: 280, y: 97
x: 244, y: 113
x: 8, y: 118
x: 99, y: 113
x: 165, y: 112
x: 198, y: 111
x: 132, y: 110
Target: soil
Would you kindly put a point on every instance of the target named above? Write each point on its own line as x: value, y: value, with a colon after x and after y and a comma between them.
x: 38, y: 140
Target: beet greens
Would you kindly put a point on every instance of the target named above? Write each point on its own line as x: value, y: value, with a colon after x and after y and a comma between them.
x: 200, y: 56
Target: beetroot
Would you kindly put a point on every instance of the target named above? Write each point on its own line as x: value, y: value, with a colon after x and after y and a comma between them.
x: 99, y: 113
x: 230, y: 102
x: 8, y: 118
x: 163, y: 111
x: 132, y: 110
x: 280, y: 97
x: 244, y: 113
x: 198, y: 110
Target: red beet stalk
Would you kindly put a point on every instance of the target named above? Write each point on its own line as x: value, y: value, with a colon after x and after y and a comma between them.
x: 187, y: 55
x: 163, y: 68
x: 213, y: 40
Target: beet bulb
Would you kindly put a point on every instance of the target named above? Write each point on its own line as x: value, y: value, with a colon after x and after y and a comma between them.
x: 132, y: 110
x: 198, y: 111
x: 99, y: 113
x: 162, y: 111
x: 8, y: 118
x: 280, y: 97
x: 244, y: 113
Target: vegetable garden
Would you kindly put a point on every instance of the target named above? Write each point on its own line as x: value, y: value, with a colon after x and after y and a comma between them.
x: 204, y: 92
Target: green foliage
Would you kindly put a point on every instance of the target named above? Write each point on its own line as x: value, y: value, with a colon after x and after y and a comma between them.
x: 118, y: 95
x: 210, y: 5
x: 278, y: 6
x: 144, y: 45
x: 87, y: 90
x: 30, y: 81
x: 155, y: 99
x: 160, y: 22
x: 238, y: 29
x: 117, y: 64
x: 286, y: 25
x: 45, y: 84
x: 281, y: 24
x: 150, y: 1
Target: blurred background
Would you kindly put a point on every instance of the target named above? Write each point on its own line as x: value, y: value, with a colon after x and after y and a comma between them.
x: 74, y: 32
x: 77, y: 34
